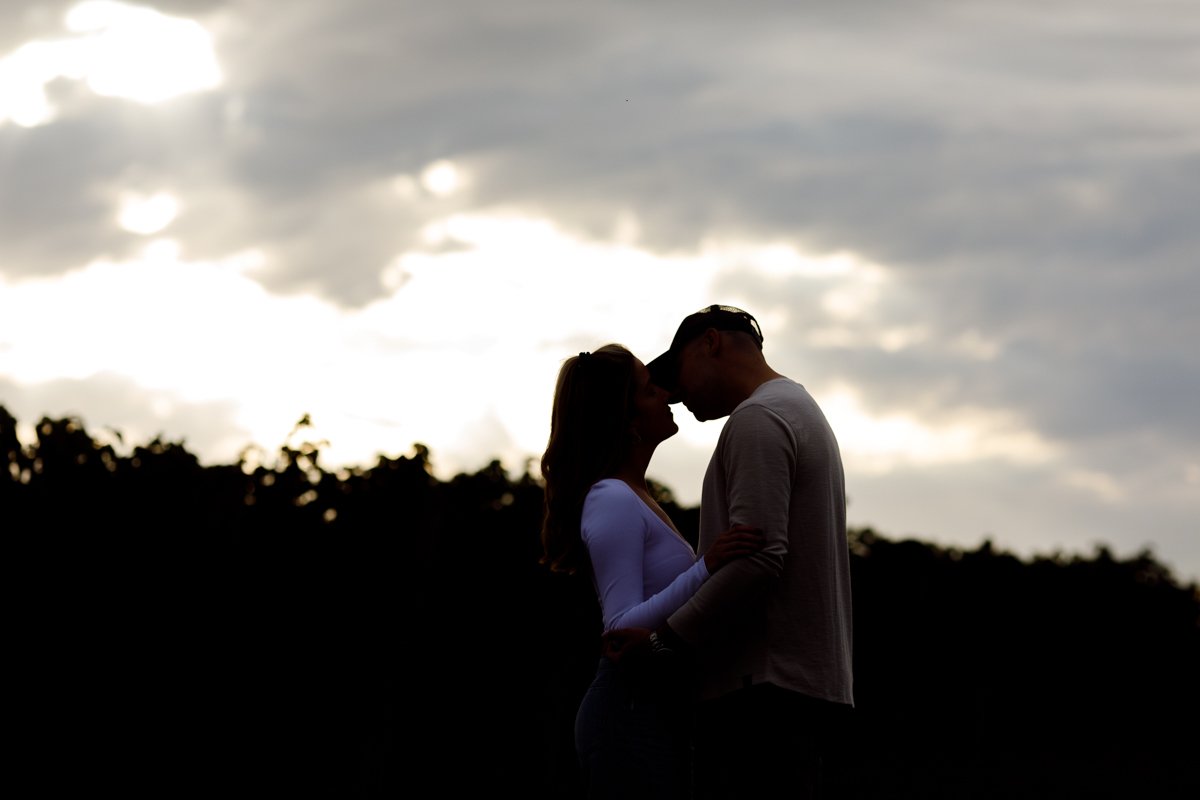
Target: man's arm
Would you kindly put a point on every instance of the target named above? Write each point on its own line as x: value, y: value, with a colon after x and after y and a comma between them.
x: 759, y: 460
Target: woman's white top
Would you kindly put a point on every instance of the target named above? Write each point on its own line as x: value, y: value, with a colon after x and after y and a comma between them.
x: 642, y: 568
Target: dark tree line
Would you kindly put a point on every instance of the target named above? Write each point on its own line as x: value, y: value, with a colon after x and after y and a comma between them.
x: 283, y: 629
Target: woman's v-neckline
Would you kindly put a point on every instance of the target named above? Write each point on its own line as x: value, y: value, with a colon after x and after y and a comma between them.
x: 666, y: 523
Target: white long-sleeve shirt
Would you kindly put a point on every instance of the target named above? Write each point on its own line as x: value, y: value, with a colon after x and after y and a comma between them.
x: 642, y: 568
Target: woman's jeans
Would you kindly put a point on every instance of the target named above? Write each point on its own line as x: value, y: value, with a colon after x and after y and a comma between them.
x: 631, y: 734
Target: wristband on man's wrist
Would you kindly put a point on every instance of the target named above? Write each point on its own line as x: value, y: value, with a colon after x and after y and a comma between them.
x: 672, y: 640
x: 657, y: 646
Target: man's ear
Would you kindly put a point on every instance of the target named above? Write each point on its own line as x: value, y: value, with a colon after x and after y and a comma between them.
x: 711, y: 340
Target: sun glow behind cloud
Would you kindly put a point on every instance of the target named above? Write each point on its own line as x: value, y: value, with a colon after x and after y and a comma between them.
x: 147, y: 215
x: 1010, y: 277
x: 464, y: 354
x: 879, y: 443
x: 118, y: 50
x: 441, y: 178
x: 461, y: 356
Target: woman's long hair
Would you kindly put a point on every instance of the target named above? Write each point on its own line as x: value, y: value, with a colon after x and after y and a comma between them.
x: 589, y: 438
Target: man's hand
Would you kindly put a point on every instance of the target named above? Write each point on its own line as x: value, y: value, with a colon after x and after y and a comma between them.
x: 625, y: 646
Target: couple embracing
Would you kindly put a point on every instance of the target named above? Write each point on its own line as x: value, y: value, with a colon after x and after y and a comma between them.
x: 724, y: 673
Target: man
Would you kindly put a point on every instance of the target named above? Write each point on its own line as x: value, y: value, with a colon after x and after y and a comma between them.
x: 771, y: 634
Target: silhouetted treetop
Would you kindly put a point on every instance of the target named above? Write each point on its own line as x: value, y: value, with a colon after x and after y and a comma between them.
x: 328, y: 612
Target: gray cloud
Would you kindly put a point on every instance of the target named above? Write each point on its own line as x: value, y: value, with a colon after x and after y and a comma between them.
x: 125, y: 414
x: 923, y: 142
x: 26, y: 21
x: 1028, y: 176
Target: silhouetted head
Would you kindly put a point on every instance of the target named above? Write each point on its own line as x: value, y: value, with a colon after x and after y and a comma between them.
x: 714, y: 362
x: 605, y: 406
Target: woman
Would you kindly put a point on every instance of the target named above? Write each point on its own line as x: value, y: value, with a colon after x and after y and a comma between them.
x: 607, y: 420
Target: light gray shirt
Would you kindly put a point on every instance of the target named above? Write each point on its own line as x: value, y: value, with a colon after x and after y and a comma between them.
x: 782, y: 616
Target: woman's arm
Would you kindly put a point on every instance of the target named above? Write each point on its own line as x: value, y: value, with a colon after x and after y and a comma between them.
x: 615, y: 530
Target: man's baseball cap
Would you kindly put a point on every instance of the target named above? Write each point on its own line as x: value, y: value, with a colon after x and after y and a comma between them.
x: 664, y: 370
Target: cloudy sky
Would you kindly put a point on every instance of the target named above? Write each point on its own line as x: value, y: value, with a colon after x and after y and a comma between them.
x: 970, y: 228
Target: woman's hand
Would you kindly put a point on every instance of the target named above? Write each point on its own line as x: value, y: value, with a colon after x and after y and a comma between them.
x: 738, y: 541
x: 626, y: 645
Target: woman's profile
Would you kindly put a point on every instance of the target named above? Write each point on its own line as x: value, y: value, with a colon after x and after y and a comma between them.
x: 607, y: 420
